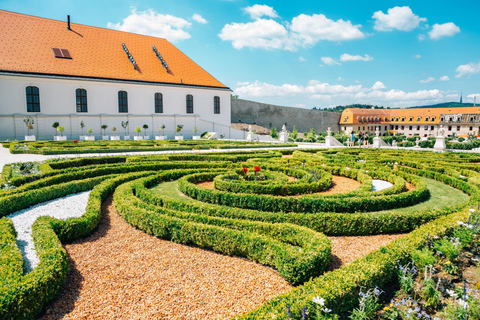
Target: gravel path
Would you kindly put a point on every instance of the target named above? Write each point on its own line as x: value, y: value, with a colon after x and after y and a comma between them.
x: 120, y: 272
x: 62, y: 208
x: 378, y: 185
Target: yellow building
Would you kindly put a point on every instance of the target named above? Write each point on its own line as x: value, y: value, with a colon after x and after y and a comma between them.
x: 423, y: 122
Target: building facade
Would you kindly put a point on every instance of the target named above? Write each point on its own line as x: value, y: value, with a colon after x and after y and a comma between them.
x: 422, y: 122
x: 84, y: 77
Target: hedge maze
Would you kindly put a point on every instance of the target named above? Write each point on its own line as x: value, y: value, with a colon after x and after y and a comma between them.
x: 266, y: 206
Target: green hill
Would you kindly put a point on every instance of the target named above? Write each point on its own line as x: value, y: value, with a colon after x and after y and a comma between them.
x: 445, y: 105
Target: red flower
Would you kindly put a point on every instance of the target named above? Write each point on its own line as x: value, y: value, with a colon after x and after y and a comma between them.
x: 257, y: 169
x: 245, y: 170
x: 75, y: 141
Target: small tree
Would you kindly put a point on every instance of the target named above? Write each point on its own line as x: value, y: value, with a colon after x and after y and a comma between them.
x: 195, y: 130
x: 61, y: 129
x: 90, y: 131
x: 82, y: 125
x: 55, y: 125
x: 312, y: 133
x: 125, y: 126
x: 294, y: 134
x: 104, y: 127
x: 145, y: 127
x: 162, y: 128
x: 138, y: 130
x: 29, y: 123
x: 179, y: 128
x: 273, y: 133
x: 113, y: 129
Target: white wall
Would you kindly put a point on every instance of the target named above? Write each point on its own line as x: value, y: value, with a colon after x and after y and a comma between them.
x: 58, y: 103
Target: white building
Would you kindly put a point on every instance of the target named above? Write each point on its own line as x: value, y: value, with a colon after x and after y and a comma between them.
x: 55, y: 71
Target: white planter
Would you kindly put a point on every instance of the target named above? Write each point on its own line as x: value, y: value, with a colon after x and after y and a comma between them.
x: 146, y: 137
x: 196, y: 137
x: 82, y: 138
x: 126, y: 137
x: 178, y: 137
x: 90, y: 138
x: 30, y: 138
x: 137, y: 138
x: 160, y: 137
x: 114, y: 137
x: 60, y: 138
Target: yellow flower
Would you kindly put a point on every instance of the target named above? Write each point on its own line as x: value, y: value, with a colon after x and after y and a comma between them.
x: 386, y: 308
x: 448, y: 262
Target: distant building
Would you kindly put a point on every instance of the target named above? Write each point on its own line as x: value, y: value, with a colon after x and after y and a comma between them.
x: 423, y: 122
x: 72, y: 73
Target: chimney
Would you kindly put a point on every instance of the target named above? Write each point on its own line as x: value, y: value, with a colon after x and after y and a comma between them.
x: 68, y: 20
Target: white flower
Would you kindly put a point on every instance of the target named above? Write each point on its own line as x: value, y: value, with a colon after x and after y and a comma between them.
x: 451, y: 293
x: 472, y: 210
x: 319, y: 301
x: 326, y: 310
x: 463, y: 304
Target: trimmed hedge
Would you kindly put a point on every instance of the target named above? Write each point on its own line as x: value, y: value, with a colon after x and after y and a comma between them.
x: 276, y: 245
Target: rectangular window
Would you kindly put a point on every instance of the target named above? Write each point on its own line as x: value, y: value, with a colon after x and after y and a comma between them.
x: 81, y: 97
x: 471, y: 128
x: 33, y: 99
x: 432, y: 127
x: 189, y: 103
x: 410, y: 128
x: 449, y: 128
x: 216, y: 106
x: 458, y: 128
x: 122, y: 102
x: 158, y: 102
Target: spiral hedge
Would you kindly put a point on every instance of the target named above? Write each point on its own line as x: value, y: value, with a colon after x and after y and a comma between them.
x: 264, y: 207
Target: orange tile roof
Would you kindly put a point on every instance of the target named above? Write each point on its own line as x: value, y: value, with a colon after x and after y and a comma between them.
x: 27, y: 42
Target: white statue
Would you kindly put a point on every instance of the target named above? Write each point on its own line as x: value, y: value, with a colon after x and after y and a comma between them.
x: 249, y: 128
x: 417, y: 142
x: 377, y: 133
x: 284, y: 129
x: 441, y: 131
x: 394, y: 143
x: 329, y: 132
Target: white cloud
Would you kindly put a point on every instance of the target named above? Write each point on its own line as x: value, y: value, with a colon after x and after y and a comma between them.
x: 342, y: 94
x: 311, y: 29
x: 428, y: 80
x: 417, y: 56
x: 448, y: 29
x: 466, y: 70
x: 329, y: 61
x: 348, y: 57
x: 400, y: 18
x: 340, y: 79
x: 262, y: 33
x: 199, y: 18
x: 379, y: 86
x: 301, y: 59
x: 154, y: 24
x: 421, y: 37
x: 474, y: 97
x: 444, y: 78
x: 257, y: 11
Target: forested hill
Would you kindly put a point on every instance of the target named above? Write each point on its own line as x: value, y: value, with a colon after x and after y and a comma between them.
x: 340, y: 109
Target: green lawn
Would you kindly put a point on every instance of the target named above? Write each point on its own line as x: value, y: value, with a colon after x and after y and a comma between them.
x: 441, y: 196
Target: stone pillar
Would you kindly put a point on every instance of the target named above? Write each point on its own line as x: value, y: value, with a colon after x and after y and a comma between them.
x: 440, y: 144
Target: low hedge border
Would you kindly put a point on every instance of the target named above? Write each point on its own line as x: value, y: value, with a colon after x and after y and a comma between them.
x: 32, y: 292
x: 276, y: 245
x: 11, y: 261
x: 297, y: 204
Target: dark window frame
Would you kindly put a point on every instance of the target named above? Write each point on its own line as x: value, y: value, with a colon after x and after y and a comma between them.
x: 33, y: 104
x: 158, y: 98
x: 81, y: 100
x: 216, y: 105
x: 189, y: 106
x: 122, y: 101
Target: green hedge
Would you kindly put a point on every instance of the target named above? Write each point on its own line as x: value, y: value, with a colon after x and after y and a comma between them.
x: 298, y: 204
x: 28, y: 295
x: 276, y: 245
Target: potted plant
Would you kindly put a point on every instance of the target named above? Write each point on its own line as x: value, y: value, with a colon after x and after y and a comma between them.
x: 29, y: 123
x: 114, y: 137
x: 178, y: 136
x: 125, y: 126
x: 61, y: 137
x: 90, y: 137
x: 55, y: 126
x: 82, y: 125
x: 145, y: 137
x: 138, y: 137
x: 195, y: 134
x: 104, y: 127
x: 161, y: 137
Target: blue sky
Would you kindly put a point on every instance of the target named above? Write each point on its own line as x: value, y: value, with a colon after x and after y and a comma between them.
x: 305, y: 53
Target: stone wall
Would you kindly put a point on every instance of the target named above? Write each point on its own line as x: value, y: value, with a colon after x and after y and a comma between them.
x: 268, y: 115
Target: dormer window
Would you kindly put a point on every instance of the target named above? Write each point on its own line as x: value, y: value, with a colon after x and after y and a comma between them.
x: 433, y: 119
x: 419, y: 119
x: 426, y: 118
x: 410, y: 119
x: 403, y: 119
x: 345, y: 119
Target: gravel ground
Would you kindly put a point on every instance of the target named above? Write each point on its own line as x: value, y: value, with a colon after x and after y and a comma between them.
x: 122, y: 273
x: 62, y: 208
x: 378, y: 185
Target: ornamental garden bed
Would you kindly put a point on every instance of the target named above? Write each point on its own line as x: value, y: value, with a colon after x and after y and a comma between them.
x: 158, y: 196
